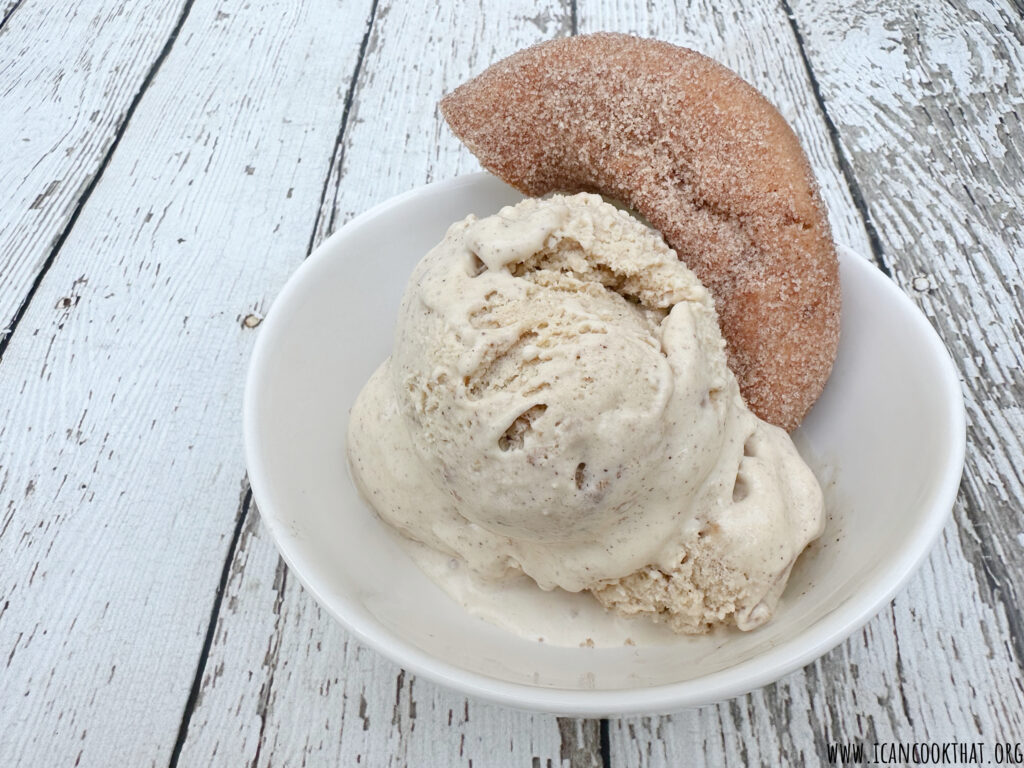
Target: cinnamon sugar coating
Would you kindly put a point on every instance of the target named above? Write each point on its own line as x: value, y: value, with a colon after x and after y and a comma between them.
x: 706, y: 159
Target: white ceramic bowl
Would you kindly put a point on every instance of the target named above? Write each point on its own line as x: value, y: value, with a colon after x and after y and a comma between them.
x: 886, y: 438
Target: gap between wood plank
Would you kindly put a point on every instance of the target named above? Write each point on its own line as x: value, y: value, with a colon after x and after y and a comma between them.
x: 6, y: 334
x: 339, y: 149
x: 604, y: 746
x: 877, y: 252
x: 10, y: 12
x: 280, y: 584
x: 605, y: 749
x: 901, y: 677
x: 225, y: 574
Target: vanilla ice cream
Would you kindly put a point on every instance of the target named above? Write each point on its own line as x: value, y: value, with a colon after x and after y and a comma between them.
x: 558, y: 403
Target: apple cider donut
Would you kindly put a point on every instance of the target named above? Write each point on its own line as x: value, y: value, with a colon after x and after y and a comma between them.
x: 706, y: 159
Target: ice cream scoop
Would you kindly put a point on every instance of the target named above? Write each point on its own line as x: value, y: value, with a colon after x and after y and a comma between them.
x: 558, y: 402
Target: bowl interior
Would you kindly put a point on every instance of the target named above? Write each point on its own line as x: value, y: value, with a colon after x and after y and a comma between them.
x: 885, y: 439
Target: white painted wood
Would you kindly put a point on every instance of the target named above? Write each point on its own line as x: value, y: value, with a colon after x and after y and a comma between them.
x: 68, y: 73
x: 120, y: 461
x: 938, y: 664
x: 120, y: 392
x: 284, y: 684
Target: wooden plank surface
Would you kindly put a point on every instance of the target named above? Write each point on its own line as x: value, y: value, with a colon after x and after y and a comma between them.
x: 120, y: 392
x: 70, y: 75
x: 138, y: 584
x: 928, y: 106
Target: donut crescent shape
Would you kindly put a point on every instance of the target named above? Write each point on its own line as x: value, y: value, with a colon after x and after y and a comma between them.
x: 706, y: 159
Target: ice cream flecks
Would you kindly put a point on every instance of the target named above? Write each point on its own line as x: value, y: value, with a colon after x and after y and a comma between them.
x: 558, y: 402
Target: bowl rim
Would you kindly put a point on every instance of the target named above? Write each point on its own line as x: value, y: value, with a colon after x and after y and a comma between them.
x: 821, y: 637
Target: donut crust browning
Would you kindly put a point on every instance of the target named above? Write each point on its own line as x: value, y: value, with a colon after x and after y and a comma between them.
x: 706, y: 159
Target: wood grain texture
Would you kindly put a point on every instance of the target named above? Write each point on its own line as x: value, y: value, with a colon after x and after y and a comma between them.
x: 120, y: 392
x: 268, y: 125
x: 913, y: 95
x: 7, y: 10
x: 283, y: 683
x: 69, y: 73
